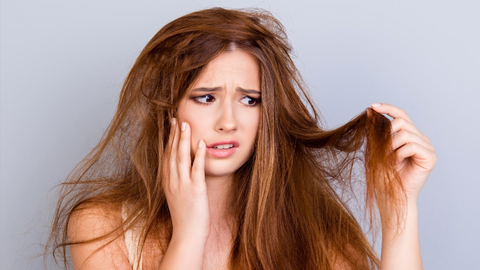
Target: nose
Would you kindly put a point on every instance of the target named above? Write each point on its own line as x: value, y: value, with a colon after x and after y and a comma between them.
x: 226, y: 120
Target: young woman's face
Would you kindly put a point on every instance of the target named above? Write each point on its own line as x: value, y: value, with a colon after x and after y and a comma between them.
x: 223, y: 109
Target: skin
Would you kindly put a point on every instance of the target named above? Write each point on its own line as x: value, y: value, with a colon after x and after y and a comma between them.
x: 196, y: 192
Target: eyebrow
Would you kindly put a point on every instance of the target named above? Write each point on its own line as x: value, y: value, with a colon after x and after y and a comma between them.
x: 216, y: 89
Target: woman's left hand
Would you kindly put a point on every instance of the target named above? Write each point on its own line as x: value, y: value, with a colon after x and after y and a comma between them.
x: 415, y: 155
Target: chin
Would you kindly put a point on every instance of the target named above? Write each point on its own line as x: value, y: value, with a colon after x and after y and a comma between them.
x: 221, y: 169
x: 218, y: 173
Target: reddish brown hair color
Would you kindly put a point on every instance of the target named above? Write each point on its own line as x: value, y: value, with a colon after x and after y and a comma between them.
x: 288, y: 214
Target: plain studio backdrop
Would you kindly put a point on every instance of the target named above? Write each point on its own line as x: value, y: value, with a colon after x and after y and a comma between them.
x: 63, y: 64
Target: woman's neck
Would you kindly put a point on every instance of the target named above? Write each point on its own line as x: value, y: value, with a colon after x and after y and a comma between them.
x: 218, y: 191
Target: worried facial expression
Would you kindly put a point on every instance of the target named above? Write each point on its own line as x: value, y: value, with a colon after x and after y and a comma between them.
x: 223, y: 109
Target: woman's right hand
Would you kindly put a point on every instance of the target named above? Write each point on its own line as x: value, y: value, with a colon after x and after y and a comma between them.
x: 186, y: 193
x: 185, y: 187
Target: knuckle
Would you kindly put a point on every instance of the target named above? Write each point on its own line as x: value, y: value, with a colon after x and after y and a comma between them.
x: 414, y: 147
x: 402, y: 121
x: 196, y: 168
x: 401, y: 135
x: 181, y: 157
x: 168, y: 187
x: 184, y: 136
x: 173, y: 189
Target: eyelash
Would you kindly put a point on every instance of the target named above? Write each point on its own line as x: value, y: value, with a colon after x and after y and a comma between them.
x: 197, y: 100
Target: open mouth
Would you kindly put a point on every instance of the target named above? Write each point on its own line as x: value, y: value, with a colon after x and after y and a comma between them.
x: 223, y: 149
x: 223, y: 146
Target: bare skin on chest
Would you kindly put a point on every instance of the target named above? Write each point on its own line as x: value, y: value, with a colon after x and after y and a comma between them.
x: 217, y: 251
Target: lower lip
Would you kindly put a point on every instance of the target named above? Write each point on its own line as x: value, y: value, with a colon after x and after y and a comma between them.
x: 222, y: 153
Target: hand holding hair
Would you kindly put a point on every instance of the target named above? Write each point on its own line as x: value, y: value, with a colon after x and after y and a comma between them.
x: 415, y: 155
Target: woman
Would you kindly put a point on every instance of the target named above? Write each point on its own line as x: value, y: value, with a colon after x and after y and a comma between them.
x: 214, y: 161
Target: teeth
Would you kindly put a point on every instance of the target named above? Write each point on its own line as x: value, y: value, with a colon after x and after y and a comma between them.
x: 223, y: 146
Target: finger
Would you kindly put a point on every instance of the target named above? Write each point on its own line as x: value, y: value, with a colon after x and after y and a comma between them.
x: 420, y: 155
x: 173, y: 171
x: 168, y: 151
x: 198, y: 167
x: 405, y: 136
x: 390, y: 110
x: 173, y: 138
x: 183, y: 154
x: 402, y: 124
x: 173, y: 123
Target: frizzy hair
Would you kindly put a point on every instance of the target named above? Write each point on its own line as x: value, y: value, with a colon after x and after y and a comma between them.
x: 285, y: 202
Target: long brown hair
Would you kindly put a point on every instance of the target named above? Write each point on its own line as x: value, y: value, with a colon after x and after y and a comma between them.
x: 286, y: 203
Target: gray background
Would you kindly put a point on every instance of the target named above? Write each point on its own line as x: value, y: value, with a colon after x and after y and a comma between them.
x: 63, y: 64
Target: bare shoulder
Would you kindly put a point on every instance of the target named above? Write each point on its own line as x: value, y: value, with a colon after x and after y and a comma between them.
x: 97, y: 237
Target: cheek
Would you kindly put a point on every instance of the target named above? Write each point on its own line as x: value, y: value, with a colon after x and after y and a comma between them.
x: 199, y: 126
x: 199, y: 123
x: 193, y: 115
x: 250, y: 123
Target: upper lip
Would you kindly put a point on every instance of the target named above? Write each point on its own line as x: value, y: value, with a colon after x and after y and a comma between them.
x: 234, y: 142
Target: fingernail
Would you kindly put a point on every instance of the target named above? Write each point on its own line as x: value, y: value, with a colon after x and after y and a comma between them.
x: 201, y: 143
x: 375, y: 105
x: 174, y: 121
x: 184, y: 126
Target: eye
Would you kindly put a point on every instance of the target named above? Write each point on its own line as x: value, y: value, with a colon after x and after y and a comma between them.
x: 204, y: 99
x: 249, y: 101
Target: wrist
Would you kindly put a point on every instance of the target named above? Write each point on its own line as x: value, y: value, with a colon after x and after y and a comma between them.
x: 412, y: 201
x: 192, y: 237
x: 396, y: 223
x: 404, y: 212
x: 187, y: 245
x: 184, y: 245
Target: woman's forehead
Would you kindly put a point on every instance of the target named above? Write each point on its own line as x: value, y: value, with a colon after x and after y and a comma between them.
x: 235, y: 68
